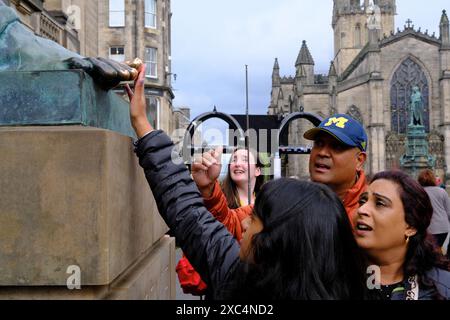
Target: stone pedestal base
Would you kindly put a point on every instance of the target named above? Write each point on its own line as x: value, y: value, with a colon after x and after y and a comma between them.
x: 76, y: 196
x: 417, y: 157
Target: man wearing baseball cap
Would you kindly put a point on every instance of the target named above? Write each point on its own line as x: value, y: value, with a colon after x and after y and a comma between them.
x: 338, y: 156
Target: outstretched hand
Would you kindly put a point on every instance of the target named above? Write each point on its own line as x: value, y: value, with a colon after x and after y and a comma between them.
x: 206, y: 169
x: 138, y: 114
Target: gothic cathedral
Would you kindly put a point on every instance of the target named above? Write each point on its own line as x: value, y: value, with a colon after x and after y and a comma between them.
x: 371, y: 78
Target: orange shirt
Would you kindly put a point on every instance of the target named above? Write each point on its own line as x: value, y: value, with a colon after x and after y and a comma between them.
x: 231, y: 218
x: 351, y: 199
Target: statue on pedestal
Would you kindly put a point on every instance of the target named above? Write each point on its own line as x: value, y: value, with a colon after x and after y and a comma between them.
x: 22, y: 50
x: 416, y: 108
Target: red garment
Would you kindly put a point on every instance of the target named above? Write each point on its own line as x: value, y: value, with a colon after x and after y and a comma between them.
x: 190, y: 280
x: 351, y: 199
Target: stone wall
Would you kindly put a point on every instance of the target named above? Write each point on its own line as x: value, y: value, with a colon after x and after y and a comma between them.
x: 76, y: 196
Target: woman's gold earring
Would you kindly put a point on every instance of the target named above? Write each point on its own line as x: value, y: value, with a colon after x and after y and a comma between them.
x: 407, y: 239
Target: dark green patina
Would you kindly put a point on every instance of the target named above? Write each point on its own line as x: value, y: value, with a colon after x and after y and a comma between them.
x: 417, y: 156
x: 37, y: 86
x: 65, y: 97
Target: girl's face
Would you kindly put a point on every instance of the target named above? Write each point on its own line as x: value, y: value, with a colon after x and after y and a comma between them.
x: 255, y: 226
x: 239, y: 166
x: 379, y: 224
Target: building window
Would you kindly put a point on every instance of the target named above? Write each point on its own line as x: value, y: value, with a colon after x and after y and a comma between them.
x: 153, y: 111
x: 150, y: 13
x: 151, y: 62
x: 408, y: 75
x: 117, y: 54
x: 116, y: 13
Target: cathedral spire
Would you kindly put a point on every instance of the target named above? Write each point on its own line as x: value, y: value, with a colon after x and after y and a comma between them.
x: 304, y: 56
x: 332, y: 72
x: 276, y: 74
x: 444, y: 29
x: 444, y: 18
x: 275, y: 65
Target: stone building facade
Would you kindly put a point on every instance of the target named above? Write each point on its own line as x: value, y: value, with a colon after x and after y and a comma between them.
x: 141, y: 28
x: 116, y: 29
x: 371, y: 78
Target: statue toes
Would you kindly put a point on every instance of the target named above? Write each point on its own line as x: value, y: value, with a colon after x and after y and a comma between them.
x: 79, y: 63
x: 123, y: 71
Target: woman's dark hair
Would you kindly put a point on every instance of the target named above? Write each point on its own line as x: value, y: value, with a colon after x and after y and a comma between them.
x: 229, y: 187
x: 306, y: 249
x: 422, y: 253
x: 426, y: 178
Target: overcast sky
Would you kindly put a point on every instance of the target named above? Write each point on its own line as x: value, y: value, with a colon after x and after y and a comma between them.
x: 212, y: 41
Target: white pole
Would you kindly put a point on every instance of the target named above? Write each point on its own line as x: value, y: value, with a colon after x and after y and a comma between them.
x: 277, y: 166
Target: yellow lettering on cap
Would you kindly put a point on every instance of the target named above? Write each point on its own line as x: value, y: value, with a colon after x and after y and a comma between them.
x: 338, y: 122
x: 363, y: 144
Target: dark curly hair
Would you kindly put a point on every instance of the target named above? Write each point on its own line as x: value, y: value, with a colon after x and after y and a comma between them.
x: 422, y: 253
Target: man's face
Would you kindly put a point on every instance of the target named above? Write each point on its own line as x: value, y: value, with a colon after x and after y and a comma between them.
x: 334, y: 163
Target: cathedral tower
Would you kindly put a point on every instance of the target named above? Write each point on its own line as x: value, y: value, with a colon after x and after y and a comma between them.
x: 352, y: 20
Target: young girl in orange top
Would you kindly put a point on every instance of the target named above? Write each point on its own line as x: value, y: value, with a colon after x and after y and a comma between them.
x: 228, y: 203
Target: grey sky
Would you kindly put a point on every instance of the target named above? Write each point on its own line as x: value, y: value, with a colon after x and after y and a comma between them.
x: 212, y: 41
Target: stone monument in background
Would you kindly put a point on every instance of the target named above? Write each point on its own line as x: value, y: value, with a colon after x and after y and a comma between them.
x: 417, y: 156
x: 77, y: 218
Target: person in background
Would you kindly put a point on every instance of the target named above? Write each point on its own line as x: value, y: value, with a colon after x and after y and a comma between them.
x: 391, y: 227
x: 235, y: 184
x: 440, y: 221
x: 338, y: 156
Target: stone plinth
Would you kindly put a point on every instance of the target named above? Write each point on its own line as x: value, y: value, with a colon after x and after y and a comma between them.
x: 150, y: 278
x: 416, y: 157
x: 74, y: 195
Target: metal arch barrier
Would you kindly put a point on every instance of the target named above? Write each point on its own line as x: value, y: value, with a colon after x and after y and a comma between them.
x: 188, y: 149
x: 314, y: 119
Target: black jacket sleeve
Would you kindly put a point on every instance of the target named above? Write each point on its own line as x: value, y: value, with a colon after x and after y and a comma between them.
x: 208, y: 245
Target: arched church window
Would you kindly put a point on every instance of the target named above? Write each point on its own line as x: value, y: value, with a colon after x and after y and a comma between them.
x: 355, y: 113
x: 408, y: 75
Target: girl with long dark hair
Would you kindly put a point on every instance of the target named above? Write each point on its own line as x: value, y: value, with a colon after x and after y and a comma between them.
x: 235, y: 184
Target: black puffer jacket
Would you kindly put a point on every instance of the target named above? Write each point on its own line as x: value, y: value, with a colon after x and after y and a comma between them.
x: 208, y: 245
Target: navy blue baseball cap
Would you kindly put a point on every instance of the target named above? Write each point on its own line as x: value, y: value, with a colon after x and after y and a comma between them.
x: 344, y: 128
